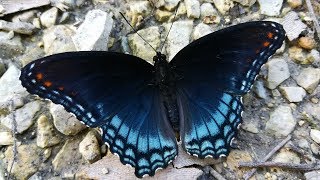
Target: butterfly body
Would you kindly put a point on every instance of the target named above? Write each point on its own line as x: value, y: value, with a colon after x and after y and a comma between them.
x: 139, y: 107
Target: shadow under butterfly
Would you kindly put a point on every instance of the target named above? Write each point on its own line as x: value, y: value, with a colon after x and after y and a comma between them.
x: 139, y: 107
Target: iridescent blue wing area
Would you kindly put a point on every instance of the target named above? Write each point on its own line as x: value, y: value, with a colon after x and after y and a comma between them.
x: 214, y: 72
x: 111, y: 91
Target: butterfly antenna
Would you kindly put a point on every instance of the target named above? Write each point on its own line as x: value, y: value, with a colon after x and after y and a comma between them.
x: 175, y: 14
x: 137, y: 32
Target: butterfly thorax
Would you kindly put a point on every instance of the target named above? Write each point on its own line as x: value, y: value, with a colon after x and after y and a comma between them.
x: 165, y: 80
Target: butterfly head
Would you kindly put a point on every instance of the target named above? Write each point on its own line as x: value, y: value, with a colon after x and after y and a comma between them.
x: 159, y: 57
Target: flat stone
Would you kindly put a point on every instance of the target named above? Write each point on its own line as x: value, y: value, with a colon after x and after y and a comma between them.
x: 67, y: 156
x: 28, y: 160
x: 10, y: 45
x: 140, y: 48
x: 193, y: 8
x: 18, y: 27
x: 281, y: 122
x: 179, y: 37
x: 287, y: 157
x: 223, y: 6
x: 47, y: 135
x: 309, y: 78
x: 93, y: 33
x: 89, y: 148
x: 293, y: 25
x: 278, y: 71
x: 23, y: 116
x: 57, y: 39
x: 270, y: 8
x: 312, y: 175
x: 110, y: 167
x: 315, y: 135
x: 293, y: 94
x: 13, y: 6
x: 65, y: 122
x: 49, y: 17
x: 26, y: 16
x: 185, y: 160
x: 11, y: 90
x: 201, y: 30
x: 6, y: 138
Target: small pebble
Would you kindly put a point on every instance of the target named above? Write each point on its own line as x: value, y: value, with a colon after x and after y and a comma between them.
x: 307, y: 43
x: 294, y: 3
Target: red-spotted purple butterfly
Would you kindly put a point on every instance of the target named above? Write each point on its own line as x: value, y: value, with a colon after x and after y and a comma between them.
x: 139, y: 107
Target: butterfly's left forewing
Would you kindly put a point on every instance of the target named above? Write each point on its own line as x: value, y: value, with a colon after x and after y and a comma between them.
x: 111, y: 91
x: 214, y: 72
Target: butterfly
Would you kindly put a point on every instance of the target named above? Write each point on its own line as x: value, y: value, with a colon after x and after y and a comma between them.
x: 139, y: 107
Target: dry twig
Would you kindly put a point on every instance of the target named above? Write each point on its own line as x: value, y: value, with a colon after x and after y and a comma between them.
x: 313, y: 16
x: 274, y: 150
x: 291, y: 166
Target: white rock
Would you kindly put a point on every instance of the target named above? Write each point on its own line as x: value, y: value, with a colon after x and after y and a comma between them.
x: 179, y: 37
x: 309, y: 79
x: 260, y: 90
x: 293, y: 25
x: 49, y: 17
x: 293, y: 94
x: 47, y: 135
x: 18, y: 27
x: 287, y: 157
x: 278, y: 71
x: 206, y: 9
x: 270, y: 8
x: 65, y: 122
x: 170, y: 5
x: 11, y: 90
x: 140, y: 48
x: 6, y: 138
x: 57, y: 39
x: 139, y: 8
x: 201, y: 30
x: 250, y: 127
x: 315, y: 135
x: 24, y: 117
x: 313, y: 175
x: 89, y: 148
x: 223, y: 6
x: 193, y: 8
x: 93, y: 33
x: 281, y: 122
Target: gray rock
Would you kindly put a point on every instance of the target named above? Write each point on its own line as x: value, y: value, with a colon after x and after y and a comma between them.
x: 223, y: 6
x: 281, y: 122
x: 57, y: 39
x: 314, y: 57
x: 293, y: 25
x: 6, y: 138
x: 246, y: 2
x: 260, y: 90
x: 315, y: 135
x: 293, y: 94
x: 65, y: 122
x: 309, y: 79
x: 287, y: 157
x: 89, y: 148
x: 270, y: 8
x: 315, y: 149
x: 93, y: 33
x: 140, y: 48
x: 11, y: 90
x: 110, y: 167
x: 32, y: 53
x: 278, y: 71
x: 179, y: 37
x: 26, y: 16
x: 47, y: 135
x: 312, y: 109
x: 304, y: 144
x: 18, y: 27
x: 185, y: 160
x: 250, y: 127
x: 201, y: 30
x: 312, y: 175
x: 29, y: 157
x: 10, y: 45
x: 193, y: 8
x: 12, y: 6
x: 24, y: 117
x: 49, y: 17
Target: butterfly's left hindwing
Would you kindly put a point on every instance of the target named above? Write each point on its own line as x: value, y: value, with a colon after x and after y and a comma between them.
x: 214, y: 72
x: 111, y: 91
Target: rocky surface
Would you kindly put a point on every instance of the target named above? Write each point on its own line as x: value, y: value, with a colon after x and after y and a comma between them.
x: 50, y: 143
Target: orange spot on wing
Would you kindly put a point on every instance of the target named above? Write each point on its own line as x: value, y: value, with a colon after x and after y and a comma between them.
x: 266, y: 44
x: 61, y: 88
x: 39, y: 76
x: 270, y: 35
x: 47, y: 83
